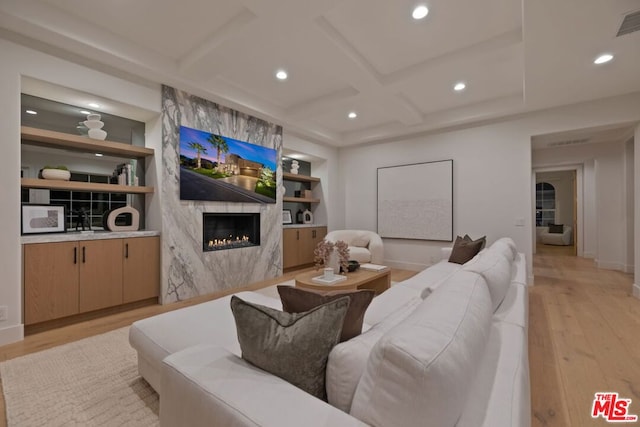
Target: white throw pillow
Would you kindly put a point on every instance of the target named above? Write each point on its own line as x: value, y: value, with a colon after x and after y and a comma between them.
x: 348, y: 359
x: 421, y: 371
x: 506, y: 246
x: 496, y: 270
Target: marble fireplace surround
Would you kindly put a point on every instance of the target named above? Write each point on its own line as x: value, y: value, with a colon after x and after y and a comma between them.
x: 187, y: 270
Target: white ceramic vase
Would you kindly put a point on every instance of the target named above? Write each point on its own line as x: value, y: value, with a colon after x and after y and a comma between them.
x: 334, y: 262
x: 56, y: 174
x: 95, y: 127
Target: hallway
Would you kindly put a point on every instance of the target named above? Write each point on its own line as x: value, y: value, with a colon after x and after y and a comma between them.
x: 583, y: 328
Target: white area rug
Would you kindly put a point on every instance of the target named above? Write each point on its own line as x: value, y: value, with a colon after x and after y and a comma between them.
x: 91, y: 382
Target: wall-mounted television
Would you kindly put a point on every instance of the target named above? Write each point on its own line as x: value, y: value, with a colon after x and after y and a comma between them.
x: 218, y: 168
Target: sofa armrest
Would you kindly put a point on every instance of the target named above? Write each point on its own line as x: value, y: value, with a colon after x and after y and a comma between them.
x: 376, y: 248
x: 445, y: 253
x: 206, y: 385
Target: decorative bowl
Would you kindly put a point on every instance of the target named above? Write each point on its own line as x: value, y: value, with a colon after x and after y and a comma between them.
x: 56, y: 174
x: 353, y: 266
x: 97, y: 134
x: 93, y: 124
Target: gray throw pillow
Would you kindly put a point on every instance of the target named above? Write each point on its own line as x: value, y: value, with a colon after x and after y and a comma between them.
x: 464, y: 249
x: 292, y: 346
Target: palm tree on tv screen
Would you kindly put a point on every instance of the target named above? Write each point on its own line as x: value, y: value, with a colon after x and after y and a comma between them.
x: 219, y: 144
x: 199, y: 149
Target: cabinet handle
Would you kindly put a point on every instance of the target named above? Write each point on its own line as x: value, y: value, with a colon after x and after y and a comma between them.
x: 126, y: 250
x: 84, y: 254
x: 75, y: 255
x: 297, y: 234
x: 313, y: 233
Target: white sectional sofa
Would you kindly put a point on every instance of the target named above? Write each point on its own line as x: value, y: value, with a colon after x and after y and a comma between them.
x: 447, y: 347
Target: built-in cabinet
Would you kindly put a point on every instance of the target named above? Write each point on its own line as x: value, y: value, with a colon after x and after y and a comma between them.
x: 62, y: 279
x: 298, y: 245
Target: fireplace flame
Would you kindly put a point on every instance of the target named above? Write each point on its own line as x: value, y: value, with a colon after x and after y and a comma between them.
x: 228, y: 243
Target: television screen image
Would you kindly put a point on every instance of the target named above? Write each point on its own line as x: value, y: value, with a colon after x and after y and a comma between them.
x: 219, y: 168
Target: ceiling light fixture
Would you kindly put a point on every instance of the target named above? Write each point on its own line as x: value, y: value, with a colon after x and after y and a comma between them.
x: 93, y: 105
x: 420, y: 12
x: 459, y: 86
x: 85, y: 112
x: 282, y: 75
x: 602, y: 59
x: 99, y: 154
x: 31, y: 112
x: 352, y: 115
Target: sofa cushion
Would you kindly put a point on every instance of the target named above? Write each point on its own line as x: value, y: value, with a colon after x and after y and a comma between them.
x: 360, y: 239
x: 361, y: 255
x: 430, y: 278
x: 421, y: 370
x: 505, y: 246
x: 389, y: 302
x: 464, y: 250
x: 348, y: 360
x: 296, y: 300
x: 496, y: 270
x: 292, y: 346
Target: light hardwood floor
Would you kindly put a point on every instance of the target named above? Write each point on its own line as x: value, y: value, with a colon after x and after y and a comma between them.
x: 582, y: 328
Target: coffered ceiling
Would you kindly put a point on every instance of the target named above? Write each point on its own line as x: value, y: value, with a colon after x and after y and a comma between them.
x: 365, y: 56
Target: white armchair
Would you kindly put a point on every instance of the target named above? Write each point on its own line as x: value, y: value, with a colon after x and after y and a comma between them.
x: 560, y: 239
x: 364, y: 245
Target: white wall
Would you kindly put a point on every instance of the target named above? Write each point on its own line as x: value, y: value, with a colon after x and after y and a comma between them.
x: 18, y: 61
x: 605, y: 225
x: 492, y: 174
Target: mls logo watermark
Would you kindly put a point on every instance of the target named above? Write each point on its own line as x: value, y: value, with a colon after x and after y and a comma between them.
x: 612, y: 408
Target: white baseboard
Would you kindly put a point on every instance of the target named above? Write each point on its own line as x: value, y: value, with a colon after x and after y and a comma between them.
x: 608, y: 265
x: 531, y: 280
x: 636, y: 291
x: 11, y: 334
x: 629, y: 268
x: 403, y: 265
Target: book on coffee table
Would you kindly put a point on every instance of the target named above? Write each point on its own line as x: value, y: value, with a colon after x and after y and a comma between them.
x: 321, y: 279
x: 373, y: 267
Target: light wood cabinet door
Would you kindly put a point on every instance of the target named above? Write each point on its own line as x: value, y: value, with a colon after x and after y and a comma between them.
x: 290, y: 247
x: 100, y: 273
x: 307, y: 245
x: 141, y: 268
x: 51, y: 280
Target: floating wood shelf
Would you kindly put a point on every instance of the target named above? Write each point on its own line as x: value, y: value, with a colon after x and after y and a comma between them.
x: 300, y: 178
x: 299, y: 200
x: 48, y: 138
x: 83, y: 186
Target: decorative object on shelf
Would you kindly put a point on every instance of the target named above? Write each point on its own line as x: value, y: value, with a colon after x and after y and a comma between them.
x: 332, y: 255
x: 307, y: 217
x: 59, y: 173
x: 286, y: 216
x: 121, y: 219
x: 294, y: 167
x: 40, y: 219
x: 95, y: 127
x: 299, y: 217
x: 82, y: 219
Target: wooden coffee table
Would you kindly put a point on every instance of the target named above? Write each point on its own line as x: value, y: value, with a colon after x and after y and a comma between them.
x: 360, y: 279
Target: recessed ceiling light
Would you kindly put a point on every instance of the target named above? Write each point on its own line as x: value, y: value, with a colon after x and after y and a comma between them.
x: 352, y: 115
x: 99, y: 154
x: 420, y: 12
x: 459, y: 86
x: 94, y: 105
x: 31, y: 112
x: 85, y: 112
x: 282, y: 75
x: 604, y: 58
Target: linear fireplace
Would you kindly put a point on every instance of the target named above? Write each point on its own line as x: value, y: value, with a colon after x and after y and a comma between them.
x: 222, y: 231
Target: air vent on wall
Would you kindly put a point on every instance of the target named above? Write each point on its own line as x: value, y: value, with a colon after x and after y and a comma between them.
x: 630, y: 24
x: 568, y: 142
